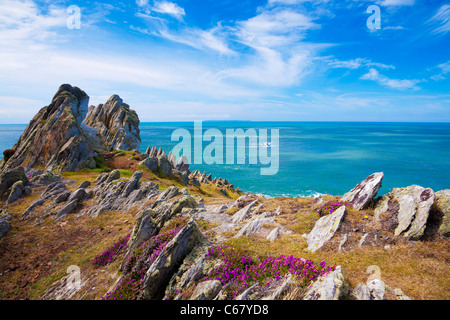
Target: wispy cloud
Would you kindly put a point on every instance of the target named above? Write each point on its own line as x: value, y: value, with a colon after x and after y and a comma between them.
x: 374, y: 75
x: 356, y: 63
x: 396, y: 2
x: 441, y: 20
x: 163, y: 7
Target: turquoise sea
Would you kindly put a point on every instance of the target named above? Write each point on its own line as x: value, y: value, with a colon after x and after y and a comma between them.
x: 319, y: 157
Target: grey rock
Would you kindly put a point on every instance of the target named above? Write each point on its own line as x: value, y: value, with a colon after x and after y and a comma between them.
x: 9, y: 177
x: 324, y: 229
x: 281, y: 289
x: 328, y: 287
x: 243, y: 213
x: 68, y: 208
x: 253, y: 226
x: 377, y: 289
x: 5, y: 218
x: 162, y: 269
x: 442, y: 205
x: 78, y: 195
x: 343, y: 242
x: 399, y: 295
x: 182, y: 164
x: 273, y: 235
x: 116, y: 123
x: 84, y: 185
x: 411, y: 207
x: 62, y: 197
x: 361, y: 195
x: 150, y: 163
x: 165, y: 166
x: 361, y: 292
x: 206, y: 290
x: 16, y: 191
x: 114, y: 175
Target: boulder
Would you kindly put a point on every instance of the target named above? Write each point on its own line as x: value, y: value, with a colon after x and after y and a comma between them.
x: 183, y: 164
x: 324, y: 229
x: 442, y: 205
x: 331, y: 286
x: 45, y: 178
x: 377, y: 289
x: 150, y: 163
x: 165, y: 166
x: 361, y: 195
x: 9, y: 177
x: 411, y: 206
x: 16, y: 191
x: 206, y: 290
x: 5, y: 218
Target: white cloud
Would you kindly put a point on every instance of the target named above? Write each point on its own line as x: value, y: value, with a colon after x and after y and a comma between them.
x: 396, y: 2
x: 356, y: 64
x: 374, y: 75
x: 441, y: 19
x: 169, y: 8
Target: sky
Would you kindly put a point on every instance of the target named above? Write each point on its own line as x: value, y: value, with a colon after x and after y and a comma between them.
x: 261, y: 60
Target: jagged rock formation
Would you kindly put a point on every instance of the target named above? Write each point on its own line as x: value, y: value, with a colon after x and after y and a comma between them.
x: 54, y: 138
x: 57, y: 139
x: 117, y: 125
x: 361, y: 195
x: 410, y: 207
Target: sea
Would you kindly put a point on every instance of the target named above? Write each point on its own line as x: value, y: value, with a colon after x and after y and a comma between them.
x: 314, y: 158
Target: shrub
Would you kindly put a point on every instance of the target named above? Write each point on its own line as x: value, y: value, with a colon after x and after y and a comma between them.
x: 137, y: 264
x: 330, y: 206
x: 111, y: 253
x: 240, y: 270
x: 8, y: 153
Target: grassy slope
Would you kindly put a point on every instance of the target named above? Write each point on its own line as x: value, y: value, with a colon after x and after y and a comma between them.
x: 34, y: 257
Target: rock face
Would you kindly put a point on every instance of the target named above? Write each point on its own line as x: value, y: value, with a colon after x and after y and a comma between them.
x: 361, y: 195
x: 170, y: 259
x: 411, y: 206
x: 54, y: 138
x: 117, y: 125
x: 324, y: 229
x: 443, y: 207
x: 57, y: 139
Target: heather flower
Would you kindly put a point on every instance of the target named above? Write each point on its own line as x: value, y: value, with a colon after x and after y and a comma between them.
x: 330, y: 206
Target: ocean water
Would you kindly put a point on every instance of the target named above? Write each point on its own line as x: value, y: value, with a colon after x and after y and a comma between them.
x: 318, y: 157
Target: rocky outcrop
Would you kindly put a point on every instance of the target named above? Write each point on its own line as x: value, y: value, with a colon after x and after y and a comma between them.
x: 58, y: 139
x: 410, y: 207
x: 54, y: 138
x: 324, y: 229
x: 361, y: 195
x: 117, y: 125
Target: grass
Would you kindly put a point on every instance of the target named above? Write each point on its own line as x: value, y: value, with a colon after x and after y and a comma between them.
x: 419, y: 269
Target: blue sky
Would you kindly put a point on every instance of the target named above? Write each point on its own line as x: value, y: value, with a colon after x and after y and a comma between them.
x: 186, y: 60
